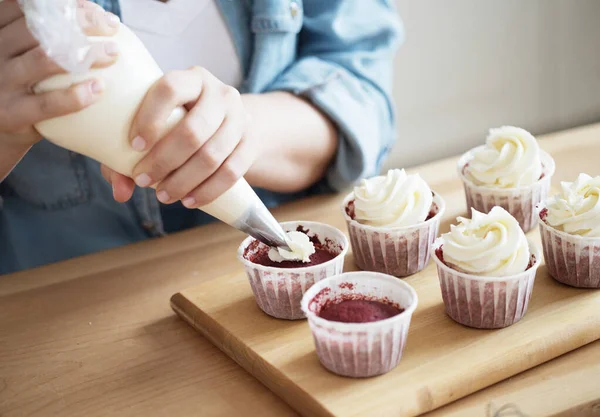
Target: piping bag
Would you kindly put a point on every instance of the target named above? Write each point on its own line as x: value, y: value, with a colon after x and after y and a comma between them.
x: 101, y: 131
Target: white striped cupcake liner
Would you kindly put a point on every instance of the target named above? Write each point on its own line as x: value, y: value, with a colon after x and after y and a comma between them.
x: 278, y: 291
x: 360, y: 350
x: 399, y: 251
x: 572, y: 260
x: 520, y: 202
x: 486, y: 302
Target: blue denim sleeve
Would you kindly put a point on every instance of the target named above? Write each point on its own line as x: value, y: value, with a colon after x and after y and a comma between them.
x: 344, y: 67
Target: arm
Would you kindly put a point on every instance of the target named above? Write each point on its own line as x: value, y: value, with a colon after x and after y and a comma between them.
x: 294, y: 133
x: 344, y: 68
x: 338, y: 119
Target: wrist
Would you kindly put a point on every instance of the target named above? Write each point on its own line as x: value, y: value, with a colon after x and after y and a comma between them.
x: 10, y: 155
x: 20, y: 147
x: 14, y: 143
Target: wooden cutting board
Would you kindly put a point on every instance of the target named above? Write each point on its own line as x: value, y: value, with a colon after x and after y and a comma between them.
x: 443, y: 361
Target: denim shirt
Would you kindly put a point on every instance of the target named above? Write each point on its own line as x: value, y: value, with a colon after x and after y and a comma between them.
x: 336, y: 53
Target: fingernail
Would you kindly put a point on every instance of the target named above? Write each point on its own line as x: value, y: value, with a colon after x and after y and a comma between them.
x: 163, y: 196
x: 111, y: 48
x: 189, y: 202
x: 112, y: 19
x: 97, y: 86
x: 143, y: 180
x: 114, y: 192
x: 138, y: 143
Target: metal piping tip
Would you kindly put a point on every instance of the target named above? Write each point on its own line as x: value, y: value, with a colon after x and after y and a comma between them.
x: 259, y: 223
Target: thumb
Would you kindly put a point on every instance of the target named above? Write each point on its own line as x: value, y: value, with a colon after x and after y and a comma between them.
x: 122, y: 186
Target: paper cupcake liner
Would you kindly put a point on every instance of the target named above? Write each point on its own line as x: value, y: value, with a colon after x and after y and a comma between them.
x: 519, y: 202
x: 394, y: 251
x: 278, y: 291
x: 572, y: 260
x: 486, y: 302
x: 360, y: 350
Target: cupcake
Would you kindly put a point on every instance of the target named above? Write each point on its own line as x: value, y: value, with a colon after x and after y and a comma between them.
x: 486, y: 268
x: 279, y: 278
x: 570, y: 229
x: 509, y: 171
x: 392, y: 221
x: 359, y: 322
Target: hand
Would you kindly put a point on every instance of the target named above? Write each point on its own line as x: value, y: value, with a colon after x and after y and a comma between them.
x: 204, y: 155
x: 23, y: 64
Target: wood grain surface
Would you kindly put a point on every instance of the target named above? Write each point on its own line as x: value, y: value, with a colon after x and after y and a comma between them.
x: 443, y: 361
x: 95, y: 336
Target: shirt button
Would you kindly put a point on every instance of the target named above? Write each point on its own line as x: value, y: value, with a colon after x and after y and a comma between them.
x: 294, y: 9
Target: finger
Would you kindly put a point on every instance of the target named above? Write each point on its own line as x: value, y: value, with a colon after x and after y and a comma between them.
x: 204, y: 163
x: 9, y: 12
x: 173, y: 90
x: 35, y: 108
x: 104, y: 54
x: 196, y: 131
x: 234, y: 168
x: 86, y: 4
x: 35, y: 66
x: 123, y: 187
x: 96, y: 22
x: 16, y: 39
x: 31, y: 67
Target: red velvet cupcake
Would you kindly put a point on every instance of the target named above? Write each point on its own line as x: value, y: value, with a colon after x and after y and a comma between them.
x: 359, y: 322
x: 509, y: 171
x: 486, y: 268
x: 278, y: 284
x: 392, y: 221
x: 570, y: 229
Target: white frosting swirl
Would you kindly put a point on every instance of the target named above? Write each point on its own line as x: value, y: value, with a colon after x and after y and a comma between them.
x: 300, y: 245
x: 393, y: 200
x: 487, y: 244
x: 576, y: 209
x: 509, y: 159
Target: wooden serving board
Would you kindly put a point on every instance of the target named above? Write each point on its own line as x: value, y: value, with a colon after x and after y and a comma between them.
x: 443, y: 361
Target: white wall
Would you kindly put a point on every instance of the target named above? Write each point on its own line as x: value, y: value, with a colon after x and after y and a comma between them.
x: 468, y: 65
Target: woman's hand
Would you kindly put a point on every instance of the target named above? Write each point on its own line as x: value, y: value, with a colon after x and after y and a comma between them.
x: 204, y: 155
x: 23, y: 64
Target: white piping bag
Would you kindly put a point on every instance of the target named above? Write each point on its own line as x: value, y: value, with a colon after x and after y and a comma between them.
x: 101, y: 131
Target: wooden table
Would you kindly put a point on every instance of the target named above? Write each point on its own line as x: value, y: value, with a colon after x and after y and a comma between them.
x: 95, y: 336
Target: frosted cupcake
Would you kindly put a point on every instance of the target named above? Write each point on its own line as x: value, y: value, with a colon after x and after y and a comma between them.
x: 279, y: 278
x: 360, y: 321
x: 392, y: 221
x: 509, y: 171
x: 570, y: 229
x: 486, y: 268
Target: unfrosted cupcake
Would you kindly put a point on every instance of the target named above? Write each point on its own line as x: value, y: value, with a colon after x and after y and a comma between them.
x: 392, y: 221
x: 279, y: 278
x: 360, y: 321
x: 486, y: 268
x: 570, y: 229
x: 510, y: 171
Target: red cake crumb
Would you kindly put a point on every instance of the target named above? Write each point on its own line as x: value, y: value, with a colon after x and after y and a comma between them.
x: 544, y: 214
x: 358, y: 311
x: 434, y: 210
x: 258, y: 253
x: 351, y: 210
